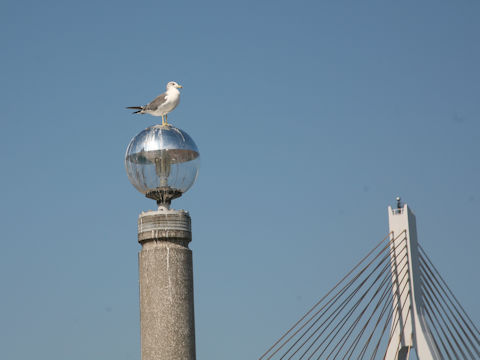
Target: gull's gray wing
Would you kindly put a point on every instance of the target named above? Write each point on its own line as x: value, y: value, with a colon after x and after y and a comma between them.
x: 156, y: 103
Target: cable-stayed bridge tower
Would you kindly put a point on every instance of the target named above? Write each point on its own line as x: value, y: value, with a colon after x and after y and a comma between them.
x: 392, y: 303
x: 412, y: 330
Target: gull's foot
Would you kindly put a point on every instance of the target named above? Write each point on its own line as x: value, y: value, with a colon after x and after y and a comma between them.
x: 166, y: 121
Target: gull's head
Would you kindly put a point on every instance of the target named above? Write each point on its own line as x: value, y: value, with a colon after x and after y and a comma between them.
x: 173, y: 85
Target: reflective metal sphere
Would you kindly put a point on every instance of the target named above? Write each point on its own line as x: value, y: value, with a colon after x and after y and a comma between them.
x: 162, y: 162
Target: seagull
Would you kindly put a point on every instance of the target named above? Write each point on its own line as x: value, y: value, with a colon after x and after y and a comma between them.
x: 162, y: 104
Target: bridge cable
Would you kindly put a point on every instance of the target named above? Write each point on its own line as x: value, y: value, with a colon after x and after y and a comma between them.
x: 425, y: 256
x: 326, y: 307
x: 344, y: 322
x: 326, y: 295
x: 389, y: 302
x: 359, y: 301
x: 443, y: 324
x: 388, y: 320
x: 346, y: 336
x: 339, y: 309
x: 352, y: 310
x: 430, y: 290
x: 434, y: 320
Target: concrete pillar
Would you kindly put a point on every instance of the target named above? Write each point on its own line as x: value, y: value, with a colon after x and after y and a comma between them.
x: 167, y: 326
x: 412, y: 330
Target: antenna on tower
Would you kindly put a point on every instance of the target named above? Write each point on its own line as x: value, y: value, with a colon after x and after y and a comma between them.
x: 399, y: 202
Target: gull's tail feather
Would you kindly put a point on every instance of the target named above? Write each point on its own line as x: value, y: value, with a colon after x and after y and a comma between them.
x: 139, y: 108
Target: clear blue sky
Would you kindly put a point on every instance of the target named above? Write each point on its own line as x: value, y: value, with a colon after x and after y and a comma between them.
x: 311, y: 116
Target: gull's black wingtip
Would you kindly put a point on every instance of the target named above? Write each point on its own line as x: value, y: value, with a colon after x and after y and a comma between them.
x: 139, y: 108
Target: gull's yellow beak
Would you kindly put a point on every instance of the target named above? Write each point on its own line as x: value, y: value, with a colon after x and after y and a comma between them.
x: 180, y: 86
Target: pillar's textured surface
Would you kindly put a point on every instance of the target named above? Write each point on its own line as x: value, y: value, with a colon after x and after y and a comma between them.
x: 167, y: 323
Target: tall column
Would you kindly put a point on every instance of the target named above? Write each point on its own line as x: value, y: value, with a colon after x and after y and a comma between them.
x: 167, y: 326
x: 412, y: 329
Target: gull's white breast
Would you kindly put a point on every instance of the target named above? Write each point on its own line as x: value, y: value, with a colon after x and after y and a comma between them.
x: 172, y: 99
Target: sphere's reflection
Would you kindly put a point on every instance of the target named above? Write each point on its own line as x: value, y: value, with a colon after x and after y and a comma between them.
x: 162, y: 159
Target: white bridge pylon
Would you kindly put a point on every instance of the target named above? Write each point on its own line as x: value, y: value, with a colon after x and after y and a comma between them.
x: 391, y: 304
x: 411, y: 330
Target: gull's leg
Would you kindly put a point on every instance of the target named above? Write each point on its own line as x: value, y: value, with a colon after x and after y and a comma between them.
x: 163, y: 121
x: 166, y: 119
